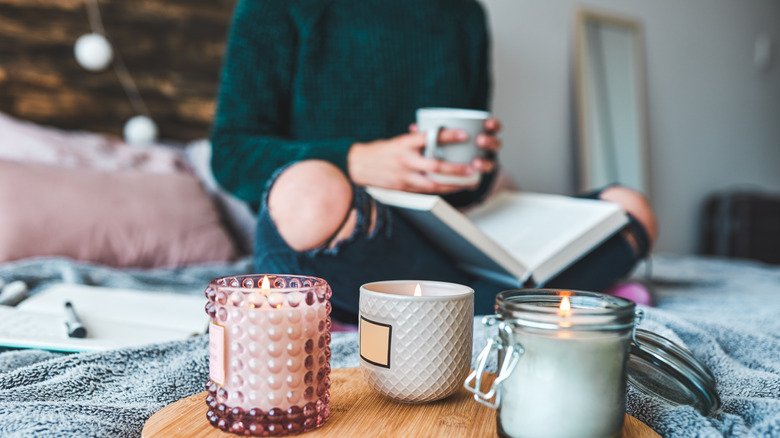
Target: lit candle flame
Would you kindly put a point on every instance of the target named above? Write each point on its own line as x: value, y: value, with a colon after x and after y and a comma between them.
x: 565, y: 309
x: 418, y: 290
x: 265, y: 286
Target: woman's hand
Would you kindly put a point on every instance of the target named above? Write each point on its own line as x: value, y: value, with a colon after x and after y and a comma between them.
x: 398, y: 163
x: 490, y: 142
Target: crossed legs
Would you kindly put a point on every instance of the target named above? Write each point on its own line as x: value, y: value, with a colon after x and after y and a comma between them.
x: 316, y: 222
x: 311, y: 205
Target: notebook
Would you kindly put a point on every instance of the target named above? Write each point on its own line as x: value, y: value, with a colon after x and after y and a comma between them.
x: 113, y: 318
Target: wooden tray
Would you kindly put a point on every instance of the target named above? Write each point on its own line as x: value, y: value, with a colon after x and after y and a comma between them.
x: 358, y: 411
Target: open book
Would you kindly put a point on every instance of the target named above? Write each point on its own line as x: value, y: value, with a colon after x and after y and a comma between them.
x: 113, y: 318
x: 515, y: 238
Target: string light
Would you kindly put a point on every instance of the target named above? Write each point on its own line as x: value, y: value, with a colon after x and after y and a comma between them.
x: 94, y: 52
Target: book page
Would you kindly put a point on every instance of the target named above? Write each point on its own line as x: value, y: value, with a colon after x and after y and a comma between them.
x: 455, y: 234
x: 534, y: 227
x: 528, y: 236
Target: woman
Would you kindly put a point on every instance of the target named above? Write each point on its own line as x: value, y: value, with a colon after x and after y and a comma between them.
x: 316, y: 98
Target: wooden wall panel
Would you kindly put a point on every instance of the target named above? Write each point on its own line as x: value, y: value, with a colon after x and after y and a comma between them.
x: 172, y: 48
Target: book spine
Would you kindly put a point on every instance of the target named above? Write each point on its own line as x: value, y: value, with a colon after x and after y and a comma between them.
x: 496, y: 277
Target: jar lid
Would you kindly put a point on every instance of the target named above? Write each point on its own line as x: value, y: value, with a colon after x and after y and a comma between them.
x: 658, y: 367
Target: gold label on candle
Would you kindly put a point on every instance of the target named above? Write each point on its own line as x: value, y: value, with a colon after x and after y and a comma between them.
x: 217, y: 353
x: 375, y: 342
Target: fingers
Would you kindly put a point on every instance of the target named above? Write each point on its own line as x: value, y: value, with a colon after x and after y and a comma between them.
x: 416, y: 140
x: 489, y: 142
x: 453, y: 136
x: 419, y: 163
x: 416, y: 165
x: 413, y: 140
x: 422, y: 164
x: 420, y: 183
x: 492, y: 126
x: 483, y: 165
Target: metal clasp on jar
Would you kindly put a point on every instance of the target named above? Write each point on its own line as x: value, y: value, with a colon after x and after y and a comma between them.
x: 512, y: 352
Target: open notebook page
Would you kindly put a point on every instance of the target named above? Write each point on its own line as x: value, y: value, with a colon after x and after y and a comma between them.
x: 112, y: 317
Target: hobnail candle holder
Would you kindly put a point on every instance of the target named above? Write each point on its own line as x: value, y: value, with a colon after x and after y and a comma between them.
x: 269, y: 354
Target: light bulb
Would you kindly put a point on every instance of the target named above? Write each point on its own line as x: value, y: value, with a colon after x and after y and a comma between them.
x: 140, y: 130
x: 93, y: 52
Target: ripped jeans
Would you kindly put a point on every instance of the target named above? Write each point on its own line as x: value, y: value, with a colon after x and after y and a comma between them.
x: 394, y: 251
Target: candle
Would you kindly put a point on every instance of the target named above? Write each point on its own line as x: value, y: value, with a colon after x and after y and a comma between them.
x: 570, y: 354
x: 415, y: 338
x: 269, y: 354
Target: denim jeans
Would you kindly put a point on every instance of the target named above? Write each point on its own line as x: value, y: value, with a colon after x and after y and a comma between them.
x: 394, y: 250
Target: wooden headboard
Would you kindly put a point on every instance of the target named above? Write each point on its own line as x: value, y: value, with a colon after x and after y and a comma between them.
x: 172, y: 49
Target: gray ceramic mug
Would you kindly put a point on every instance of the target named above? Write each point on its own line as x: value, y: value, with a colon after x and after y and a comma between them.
x: 433, y: 120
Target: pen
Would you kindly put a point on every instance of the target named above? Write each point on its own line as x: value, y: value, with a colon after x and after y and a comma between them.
x: 72, y: 322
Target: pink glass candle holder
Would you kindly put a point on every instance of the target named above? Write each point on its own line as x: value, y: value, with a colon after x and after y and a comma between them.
x: 269, y: 354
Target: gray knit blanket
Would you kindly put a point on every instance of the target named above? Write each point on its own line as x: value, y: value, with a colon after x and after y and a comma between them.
x: 725, y: 312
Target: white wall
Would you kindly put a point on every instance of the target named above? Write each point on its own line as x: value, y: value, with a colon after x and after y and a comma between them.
x: 714, y: 117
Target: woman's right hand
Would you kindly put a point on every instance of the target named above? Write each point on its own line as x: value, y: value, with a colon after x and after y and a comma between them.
x: 397, y: 163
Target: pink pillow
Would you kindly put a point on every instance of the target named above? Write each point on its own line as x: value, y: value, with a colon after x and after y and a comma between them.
x: 125, y: 218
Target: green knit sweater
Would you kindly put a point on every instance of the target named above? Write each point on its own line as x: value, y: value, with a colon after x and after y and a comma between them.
x: 305, y: 79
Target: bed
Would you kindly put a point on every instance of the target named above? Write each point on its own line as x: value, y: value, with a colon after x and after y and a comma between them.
x: 60, y: 127
x: 723, y: 311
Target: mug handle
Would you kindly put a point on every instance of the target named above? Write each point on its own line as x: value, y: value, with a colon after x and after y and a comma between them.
x: 432, y: 141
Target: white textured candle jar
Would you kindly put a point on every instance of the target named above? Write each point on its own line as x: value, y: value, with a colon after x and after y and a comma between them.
x: 563, y: 358
x: 415, y: 343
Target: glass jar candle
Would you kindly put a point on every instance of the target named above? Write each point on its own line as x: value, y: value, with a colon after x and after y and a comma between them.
x: 269, y: 354
x: 562, y: 363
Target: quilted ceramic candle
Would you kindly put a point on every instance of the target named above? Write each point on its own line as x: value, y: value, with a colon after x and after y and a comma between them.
x: 269, y: 354
x: 415, y: 338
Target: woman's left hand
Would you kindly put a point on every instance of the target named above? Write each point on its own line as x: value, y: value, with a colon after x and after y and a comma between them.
x: 490, y: 142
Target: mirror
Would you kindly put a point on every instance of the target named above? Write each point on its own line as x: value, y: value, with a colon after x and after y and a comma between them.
x: 611, y: 102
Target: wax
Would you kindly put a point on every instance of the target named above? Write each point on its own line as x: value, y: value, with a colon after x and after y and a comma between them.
x: 566, y: 384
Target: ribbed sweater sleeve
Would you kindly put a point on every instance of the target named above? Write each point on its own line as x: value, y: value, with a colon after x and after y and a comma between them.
x: 249, y: 137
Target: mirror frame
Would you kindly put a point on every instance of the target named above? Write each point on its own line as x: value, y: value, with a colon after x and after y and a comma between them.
x: 586, y: 135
